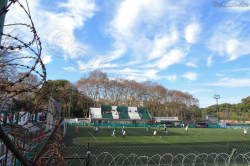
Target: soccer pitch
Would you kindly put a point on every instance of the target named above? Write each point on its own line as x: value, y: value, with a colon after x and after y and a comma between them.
x: 138, y: 136
x: 197, y: 147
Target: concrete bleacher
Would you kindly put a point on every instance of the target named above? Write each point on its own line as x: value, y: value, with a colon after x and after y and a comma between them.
x: 114, y: 112
x: 106, y: 112
x: 119, y: 112
x: 123, y: 112
x: 95, y: 113
x: 133, y: 113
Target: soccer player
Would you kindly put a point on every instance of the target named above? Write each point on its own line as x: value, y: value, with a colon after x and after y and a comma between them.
x: 186, y: 129
x: 77, y: 128
x: 108, y: 128
x: 113, y: 134
x: 154, y: 134
x: 147, y: 128
x: 96, y: 129
x: 167, y: 131
x: 245, y: 132
x: 159, y: 128
x: 102, y: 126
x: 124, y: 133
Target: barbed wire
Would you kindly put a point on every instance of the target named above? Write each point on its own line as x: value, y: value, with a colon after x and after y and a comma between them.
x: 23, y: 135
x: 159, y: 155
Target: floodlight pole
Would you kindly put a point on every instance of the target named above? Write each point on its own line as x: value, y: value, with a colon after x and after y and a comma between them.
x: 70, y: 101
x: 145, y: 93
x: 217, y: 97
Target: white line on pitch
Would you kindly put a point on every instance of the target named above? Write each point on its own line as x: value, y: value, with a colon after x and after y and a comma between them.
x: 93, y: 136
x: 158, y: 138
x: 150, y: 137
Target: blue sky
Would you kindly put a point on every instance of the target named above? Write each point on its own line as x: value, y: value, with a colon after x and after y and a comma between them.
x: 185, y: 45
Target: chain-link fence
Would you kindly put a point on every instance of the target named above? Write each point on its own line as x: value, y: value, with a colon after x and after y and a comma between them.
x: 209, y: 154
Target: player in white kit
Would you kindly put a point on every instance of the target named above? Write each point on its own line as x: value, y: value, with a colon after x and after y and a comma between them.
x: 154, y: 133
x: 245, y: 132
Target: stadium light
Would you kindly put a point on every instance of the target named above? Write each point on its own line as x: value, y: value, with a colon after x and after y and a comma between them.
x: 145, y: 93
x: 217, y: 97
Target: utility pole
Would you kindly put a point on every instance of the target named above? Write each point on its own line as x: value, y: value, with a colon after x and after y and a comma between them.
x: 217, y: 97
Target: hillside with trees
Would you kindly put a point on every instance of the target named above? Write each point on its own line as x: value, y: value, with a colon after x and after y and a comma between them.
x: 237, y: 112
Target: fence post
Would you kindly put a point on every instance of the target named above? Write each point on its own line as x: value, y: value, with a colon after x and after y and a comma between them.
x: 6, y: 154
x: 11, y: 146
x: 230, y: 157
x: 88, y: 156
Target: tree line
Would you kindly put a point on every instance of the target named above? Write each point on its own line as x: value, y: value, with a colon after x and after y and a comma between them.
x: 160, y: 101
x: 97, y: 89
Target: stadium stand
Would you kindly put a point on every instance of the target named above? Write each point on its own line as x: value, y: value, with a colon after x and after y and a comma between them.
x: 133, y: 113
x: 95, y: 113
x: 119, y: 115
x: 123, y: 112
x: 114, y: 112
x: 106, y: 112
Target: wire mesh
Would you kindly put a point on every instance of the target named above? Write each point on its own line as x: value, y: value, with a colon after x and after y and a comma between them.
x: 40, y: 142
x: 172, y: 155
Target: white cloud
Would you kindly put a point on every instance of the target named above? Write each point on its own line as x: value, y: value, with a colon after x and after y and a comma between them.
x: 229, y: 40
x: 192, y: 76
x: 241, y: 69
x: 224, y: 79
x: 56, y: 28
x: 136, y: 78
x: 171, y: 78
x: 142, y: 75
x: 209, y: 61
x: 192, y: 31
x: 69, y: 68
x: 235, y: 49
x: 152, y: 74
x: 162, y: 43
x: 145, y: 29
x: 46, y: 59
x: 231, y: 83
x: 191, y: 64
x: 199, y: 90
x: 218, y: 74
x: 174, y: 56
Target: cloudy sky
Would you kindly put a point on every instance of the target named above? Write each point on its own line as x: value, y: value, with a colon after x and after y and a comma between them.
x: 198, y: 47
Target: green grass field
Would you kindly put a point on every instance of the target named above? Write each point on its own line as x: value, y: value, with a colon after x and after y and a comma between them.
x: 141, y: 137
x: 140, y: 148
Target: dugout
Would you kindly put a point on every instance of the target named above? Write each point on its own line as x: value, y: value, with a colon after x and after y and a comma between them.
x: 119, y: 121
x: 169, y: 121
